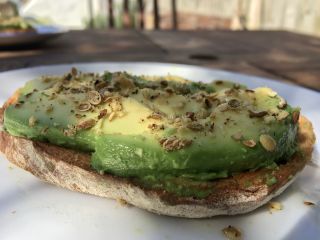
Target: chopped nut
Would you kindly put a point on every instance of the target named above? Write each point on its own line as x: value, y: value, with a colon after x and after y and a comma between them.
x: 94, y: 97
x: 155, y: 116
x: 153, y: 126
x: 74, y: 71
x: 102, y: 113
x: 44, y: 130
x: 86, y: 124
x: 124, y: 82
x: 249, y: 143
x: 253, y: 114
x: 71, y: 131
x: 67, y: 77
x: 272, y: 93
x: 195, y: 126
x: 154, y: 96
x: 164, y: 83
x: 295, y: 116
x: 277, y: 206
x: 107, y: 99
x: 282, y: 103
x: 249, y: 91
x: 77, y: 115
x: 146, y: 93
x: 57, y: 87
x: 177, y: 120
x: 231, y: 91
x: 191, y: 115
x: 234, y: 103
x: 211, y: 126
x: 112, y: 116
x: 213, y: 96
x: 267, y: 142
x: 282, y: 115
x: 101, y: 86
x: 169, y: 90
x: 135, y: 91
x: 110, y: 89
x: 223, y: 107
x: 232, y: 233
x: 309, y: 203
x: 198, y: 97
x: 212, y: 116
x: 237, y: 136
x: 116, y: 105
x: 207, y: 103
x: 84, y: 106
x: 173, y: 143
x: 32, y: 121
x: 52, y: 96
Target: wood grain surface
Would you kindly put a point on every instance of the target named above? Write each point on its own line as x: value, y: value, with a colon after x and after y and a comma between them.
x: 279, y: 55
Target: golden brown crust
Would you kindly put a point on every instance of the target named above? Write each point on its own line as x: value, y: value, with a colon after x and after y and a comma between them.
x: 71, y: 169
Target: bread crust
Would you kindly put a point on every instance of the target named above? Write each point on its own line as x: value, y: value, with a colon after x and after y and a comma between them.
x: 71, y: 169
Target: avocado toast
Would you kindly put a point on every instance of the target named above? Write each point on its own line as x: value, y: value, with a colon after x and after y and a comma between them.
x: 15, y: 25
x: 164, y: 144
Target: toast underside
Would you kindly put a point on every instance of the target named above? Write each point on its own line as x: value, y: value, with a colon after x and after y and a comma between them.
x: 71, y: 169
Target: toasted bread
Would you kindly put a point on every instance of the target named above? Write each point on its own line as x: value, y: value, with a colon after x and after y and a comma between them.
x: 71, y: 169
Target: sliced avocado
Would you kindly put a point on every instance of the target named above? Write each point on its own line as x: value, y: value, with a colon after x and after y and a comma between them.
x: 157, y: 127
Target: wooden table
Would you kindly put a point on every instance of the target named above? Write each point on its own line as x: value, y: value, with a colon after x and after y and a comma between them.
x: 275, y: 54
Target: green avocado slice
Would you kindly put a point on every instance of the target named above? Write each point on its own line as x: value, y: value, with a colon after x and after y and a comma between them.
x: 156, y: 128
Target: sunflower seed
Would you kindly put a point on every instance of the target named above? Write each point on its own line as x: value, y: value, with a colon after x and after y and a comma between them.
x: 94, y: 97
x: 249, y: 143
x: 267, y: 142
x: 84, y: 106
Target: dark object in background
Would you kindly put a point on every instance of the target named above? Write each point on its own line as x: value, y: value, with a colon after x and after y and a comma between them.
x: 139, y: 15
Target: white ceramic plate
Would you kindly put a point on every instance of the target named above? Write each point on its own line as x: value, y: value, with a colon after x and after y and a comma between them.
x: 42, y: 33
x: 31, y: 209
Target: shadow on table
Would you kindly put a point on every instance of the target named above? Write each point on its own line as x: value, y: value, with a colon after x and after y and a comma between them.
x: 23, y: 47
x: 306, y: 227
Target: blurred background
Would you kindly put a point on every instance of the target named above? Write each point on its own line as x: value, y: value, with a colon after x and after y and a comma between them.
x: 272, y: 38
x: 294, y: 15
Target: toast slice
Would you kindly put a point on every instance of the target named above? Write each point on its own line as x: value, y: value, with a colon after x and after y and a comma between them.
x: 71, y: 169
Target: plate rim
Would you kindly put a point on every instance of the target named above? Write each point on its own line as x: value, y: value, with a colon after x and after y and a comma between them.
x: 12, y: 71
